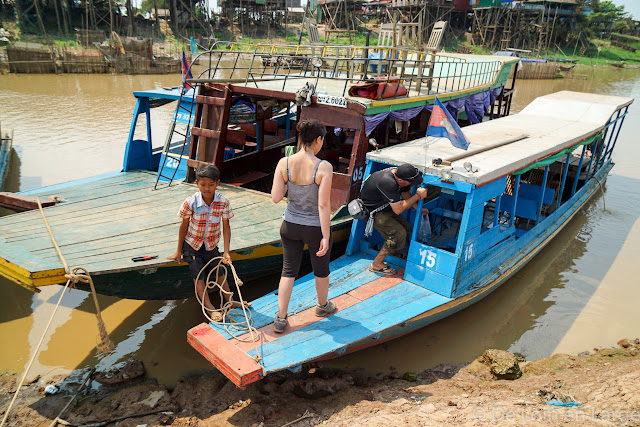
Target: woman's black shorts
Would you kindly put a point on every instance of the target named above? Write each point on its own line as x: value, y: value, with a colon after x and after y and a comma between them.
x: 294, y: 237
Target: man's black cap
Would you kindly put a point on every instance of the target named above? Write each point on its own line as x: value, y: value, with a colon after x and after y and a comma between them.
x: 409, y: 173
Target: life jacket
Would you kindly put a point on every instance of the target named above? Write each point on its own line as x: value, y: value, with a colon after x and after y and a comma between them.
x: 379, y: 88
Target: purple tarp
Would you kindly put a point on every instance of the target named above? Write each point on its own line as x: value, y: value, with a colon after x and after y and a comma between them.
x: 475, y: 105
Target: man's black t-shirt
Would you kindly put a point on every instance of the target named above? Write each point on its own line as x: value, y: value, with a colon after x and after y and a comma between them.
x: 380, y: 188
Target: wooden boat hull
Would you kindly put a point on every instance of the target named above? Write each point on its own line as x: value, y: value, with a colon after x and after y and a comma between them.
x: 497, y: 220
x: 511, y: 267
x: 174, y: 282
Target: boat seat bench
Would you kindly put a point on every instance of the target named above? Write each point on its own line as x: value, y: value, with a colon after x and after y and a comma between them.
x: 447, y: 214
x: 528, y: 199
x: 246, y: 178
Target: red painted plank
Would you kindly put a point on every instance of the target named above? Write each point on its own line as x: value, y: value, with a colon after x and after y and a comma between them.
x: 210, y: 100
x: 208, y: 133
x: 271, y: 126
x: 234, y: 363
x: 376, y: 286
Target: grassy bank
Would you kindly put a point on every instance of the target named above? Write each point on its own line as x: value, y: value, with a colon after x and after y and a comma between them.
x: 602, y: 52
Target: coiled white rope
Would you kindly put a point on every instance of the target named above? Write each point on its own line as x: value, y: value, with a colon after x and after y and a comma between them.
x: 228, y: 316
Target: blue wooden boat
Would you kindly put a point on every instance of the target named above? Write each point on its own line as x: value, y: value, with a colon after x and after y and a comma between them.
x: 492, y: 209
x: 103, y: 222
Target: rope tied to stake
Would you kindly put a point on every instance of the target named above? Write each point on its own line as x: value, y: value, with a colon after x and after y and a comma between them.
x: 80, y: 275
x: 235, y: 323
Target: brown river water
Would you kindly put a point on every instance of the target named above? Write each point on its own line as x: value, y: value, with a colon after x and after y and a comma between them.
x: 581, y: 292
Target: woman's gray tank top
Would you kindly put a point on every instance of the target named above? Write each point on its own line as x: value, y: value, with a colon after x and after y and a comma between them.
x: 303, y: 201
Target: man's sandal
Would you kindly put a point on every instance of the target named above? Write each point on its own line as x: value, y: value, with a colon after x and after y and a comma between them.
x: 386, y: 270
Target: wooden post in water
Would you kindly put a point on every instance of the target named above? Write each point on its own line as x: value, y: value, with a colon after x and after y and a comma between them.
x: 86, y: 19
x: 129, y: 19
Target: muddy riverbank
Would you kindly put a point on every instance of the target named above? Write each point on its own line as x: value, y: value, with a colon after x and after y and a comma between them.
x: 604, y: 381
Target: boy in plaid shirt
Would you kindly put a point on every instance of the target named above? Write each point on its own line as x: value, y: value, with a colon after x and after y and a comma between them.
x: 199, y: 232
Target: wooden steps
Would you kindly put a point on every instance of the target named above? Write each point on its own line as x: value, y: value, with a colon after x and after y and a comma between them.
x: 210, y: 128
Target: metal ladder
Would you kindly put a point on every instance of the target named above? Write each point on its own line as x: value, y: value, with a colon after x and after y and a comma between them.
x: 182, y: 130
x: 209, y: 113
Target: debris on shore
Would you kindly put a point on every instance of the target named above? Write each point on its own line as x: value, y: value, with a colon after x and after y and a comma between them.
x: 597, y: 388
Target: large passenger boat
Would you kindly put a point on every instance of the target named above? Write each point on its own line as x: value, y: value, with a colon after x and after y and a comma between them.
x: 491, y: 210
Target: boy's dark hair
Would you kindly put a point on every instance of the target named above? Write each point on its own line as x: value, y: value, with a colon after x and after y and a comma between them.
x: 208, y: 171
x: 309, y: 131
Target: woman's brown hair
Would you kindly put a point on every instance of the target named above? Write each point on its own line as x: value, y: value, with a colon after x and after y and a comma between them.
x: 309, y: 131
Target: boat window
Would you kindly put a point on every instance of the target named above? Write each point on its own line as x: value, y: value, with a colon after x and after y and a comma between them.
x: 534, y: 199
x: 445, y: 216
x: 337, y: 148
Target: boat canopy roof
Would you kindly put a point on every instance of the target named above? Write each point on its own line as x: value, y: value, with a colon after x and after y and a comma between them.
x: 172, y: 93
x: 551, y: 124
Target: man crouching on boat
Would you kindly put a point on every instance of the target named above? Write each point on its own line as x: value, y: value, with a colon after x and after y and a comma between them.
x: 388, y: 191
x: 199, y: 233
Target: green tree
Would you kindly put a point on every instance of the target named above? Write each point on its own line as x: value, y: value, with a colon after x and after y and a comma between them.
x: 604, y: 15
x: 621, y: 26
x: 607, y: 11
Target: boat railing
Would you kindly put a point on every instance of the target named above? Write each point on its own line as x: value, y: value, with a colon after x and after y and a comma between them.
x: 421, y: 73
x: 322, y: 50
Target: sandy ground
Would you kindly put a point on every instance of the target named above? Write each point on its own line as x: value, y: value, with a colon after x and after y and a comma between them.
x: 605, y: 381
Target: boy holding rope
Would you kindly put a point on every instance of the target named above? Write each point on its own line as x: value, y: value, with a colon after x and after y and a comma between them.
x: 199, y: 234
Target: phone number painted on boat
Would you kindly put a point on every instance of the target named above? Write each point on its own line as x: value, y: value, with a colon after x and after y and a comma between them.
x: 334, y: 101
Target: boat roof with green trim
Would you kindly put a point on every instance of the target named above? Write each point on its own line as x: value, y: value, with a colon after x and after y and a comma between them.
x: 550, y: 124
